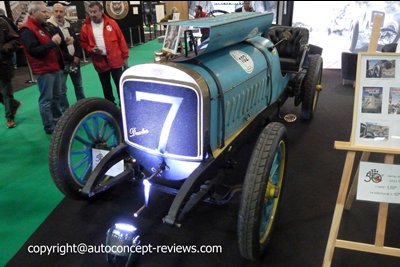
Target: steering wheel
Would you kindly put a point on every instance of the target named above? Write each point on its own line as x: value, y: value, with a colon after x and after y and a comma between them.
x: 211, y: 13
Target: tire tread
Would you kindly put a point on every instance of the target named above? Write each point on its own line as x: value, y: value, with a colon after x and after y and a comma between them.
x: 60, y: 139
x: 254, y: 187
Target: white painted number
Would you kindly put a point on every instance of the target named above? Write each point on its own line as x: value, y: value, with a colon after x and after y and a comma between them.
x: 174, y: 101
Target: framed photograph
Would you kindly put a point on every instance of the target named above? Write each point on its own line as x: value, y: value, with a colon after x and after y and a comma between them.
x: 172, y: 40
x: 376, y: 116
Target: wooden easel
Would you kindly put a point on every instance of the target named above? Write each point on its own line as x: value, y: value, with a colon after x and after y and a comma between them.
x: 378, y: 247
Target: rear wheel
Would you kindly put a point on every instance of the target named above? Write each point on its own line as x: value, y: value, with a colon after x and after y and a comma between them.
x: 89, y: 123
x: 262, y: 190
x: 311, y: 87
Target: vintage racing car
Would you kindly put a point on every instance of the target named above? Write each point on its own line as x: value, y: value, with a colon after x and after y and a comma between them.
x: 184, y: 115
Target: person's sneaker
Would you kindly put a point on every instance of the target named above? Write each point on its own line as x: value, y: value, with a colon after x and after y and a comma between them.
x: 11, y: 123
x: 19, y: 104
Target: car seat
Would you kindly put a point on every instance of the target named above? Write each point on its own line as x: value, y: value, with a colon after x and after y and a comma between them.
x: 293, y: 51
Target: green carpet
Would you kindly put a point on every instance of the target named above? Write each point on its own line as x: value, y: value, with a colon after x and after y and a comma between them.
x: 27, y: 192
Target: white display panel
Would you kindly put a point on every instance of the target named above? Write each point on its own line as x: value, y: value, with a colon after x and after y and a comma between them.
x: 377, y: 101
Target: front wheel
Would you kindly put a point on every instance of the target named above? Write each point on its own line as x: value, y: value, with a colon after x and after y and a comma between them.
x: 262, y: 190
x: 91, y: 123
x: 311, y: 87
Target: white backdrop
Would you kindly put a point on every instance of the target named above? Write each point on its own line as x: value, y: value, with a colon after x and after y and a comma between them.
x: 331, y: 25
x: 3, y: 6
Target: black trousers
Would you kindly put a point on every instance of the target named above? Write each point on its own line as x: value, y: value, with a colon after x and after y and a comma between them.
x: 105, y: 79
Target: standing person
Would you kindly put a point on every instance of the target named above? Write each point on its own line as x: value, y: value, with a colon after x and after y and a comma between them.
x: 245, y: 8
x: 205, y: 32
x: 42, y: 51
x: 71, y: 54
x: 102, y: 38
x: 14, y: 27
x: 9, y: 43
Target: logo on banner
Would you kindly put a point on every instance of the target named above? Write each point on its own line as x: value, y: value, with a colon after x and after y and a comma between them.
x: 374, y: 176
x: 133, y: 132
x: 117, y: 9
x: 99, y: 157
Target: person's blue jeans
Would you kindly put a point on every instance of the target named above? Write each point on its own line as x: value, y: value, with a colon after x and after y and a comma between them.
x: 49, y: 100
x: 76, y: 79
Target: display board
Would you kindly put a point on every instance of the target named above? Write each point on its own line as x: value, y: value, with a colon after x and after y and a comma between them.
x: 376, y: 120
x: 378, y: 182
x: 171, y: 41
x: 160, y: 11
x: 374, y: 130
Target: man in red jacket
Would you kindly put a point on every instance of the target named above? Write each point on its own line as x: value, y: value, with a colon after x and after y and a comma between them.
x: 44, y: 56
x: 205, y: 32
x: 102, y: 38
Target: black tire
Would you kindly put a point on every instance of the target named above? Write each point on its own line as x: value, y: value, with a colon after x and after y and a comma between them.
x: 388, y: 64
x: 370, y: 135
x: 390, y: 33
x: 355, y: 30
x: 257, y: 211
x: 311, y: 87
x: 89, y: 123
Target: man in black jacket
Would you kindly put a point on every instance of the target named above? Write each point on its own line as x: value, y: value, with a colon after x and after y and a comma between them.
x: 9, y: 43
x: 15, y: 28
x: 72, y: 52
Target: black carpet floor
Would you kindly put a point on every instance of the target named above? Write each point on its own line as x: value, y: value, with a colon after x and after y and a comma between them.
x: 313, y: 173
